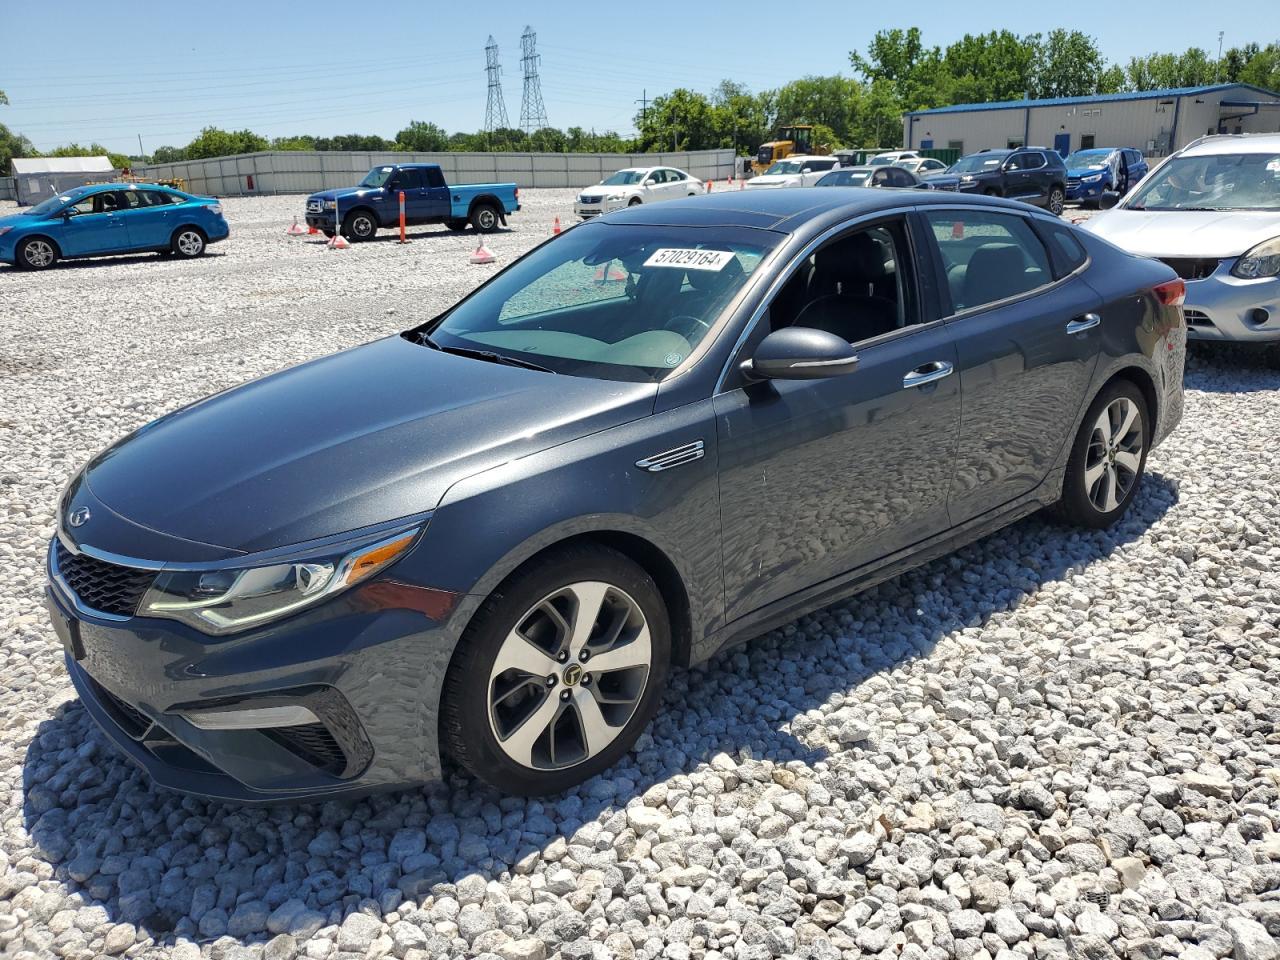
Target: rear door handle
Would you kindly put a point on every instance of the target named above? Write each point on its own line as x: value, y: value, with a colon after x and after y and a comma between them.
x: 1081, y: 324
x: 927, y: 373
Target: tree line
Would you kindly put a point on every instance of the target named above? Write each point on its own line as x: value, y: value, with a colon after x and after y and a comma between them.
x: 898, y: 72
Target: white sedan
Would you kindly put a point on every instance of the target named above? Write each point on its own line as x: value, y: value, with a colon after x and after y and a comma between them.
x: 636, y: 185
x: 794, y: 172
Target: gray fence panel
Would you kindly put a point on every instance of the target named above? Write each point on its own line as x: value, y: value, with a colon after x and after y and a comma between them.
x: 8, y: 189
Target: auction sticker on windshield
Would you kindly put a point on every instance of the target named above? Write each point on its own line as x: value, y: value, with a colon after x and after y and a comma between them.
x: 690, y: 259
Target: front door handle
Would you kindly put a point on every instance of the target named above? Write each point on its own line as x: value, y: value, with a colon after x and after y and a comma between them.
x: 927, y: 373
x: 1081, y: 324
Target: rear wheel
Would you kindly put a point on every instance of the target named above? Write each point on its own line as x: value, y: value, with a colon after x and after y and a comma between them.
x: 188, y: 242
x: 359, y: 225
x: 485, y: 218
x: 37, y: 253
x: 1107, y: 459
x: 1057, y: 200
x: 558, y: 673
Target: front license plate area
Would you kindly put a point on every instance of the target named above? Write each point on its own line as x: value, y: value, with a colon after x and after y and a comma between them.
x: 67, y: 631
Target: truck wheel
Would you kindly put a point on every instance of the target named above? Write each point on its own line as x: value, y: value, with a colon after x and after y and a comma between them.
x: 457, y: 224
x: 359, y: 225
x: 484, y: 217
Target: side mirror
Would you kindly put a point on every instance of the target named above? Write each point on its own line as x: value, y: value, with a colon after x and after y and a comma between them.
x: 800, y: 353
x: 1108, y: 200
x: 650, y: 182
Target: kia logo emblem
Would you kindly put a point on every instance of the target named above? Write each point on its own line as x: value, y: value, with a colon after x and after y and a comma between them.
x: 79, y: 517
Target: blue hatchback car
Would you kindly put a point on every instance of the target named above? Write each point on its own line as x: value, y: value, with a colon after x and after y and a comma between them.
x: 109, y: 219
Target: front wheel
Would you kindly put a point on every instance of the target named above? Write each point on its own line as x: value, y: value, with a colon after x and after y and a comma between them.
x: 485, y: 218
x: 1057, y: 200
x: 634, y: 202
x: 558, y: 673
x: 188, y: 243
x: 1107, y: 459
x: 359, y: 225
x: 37, y: 253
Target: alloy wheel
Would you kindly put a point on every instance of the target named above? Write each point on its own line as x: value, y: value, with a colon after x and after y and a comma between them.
x: 1115, y: 454
x: 38, y: 253
x: 190, y: 243
x: 1056, y: 202
x: 569, y: 676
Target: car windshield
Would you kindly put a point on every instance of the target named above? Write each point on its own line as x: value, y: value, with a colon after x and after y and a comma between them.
x: 611, y: 301
x: 785, y: 166
x: 623, y: 177
x: 844, y: 178
x: 976, y: 163
x: 883, y: 159
x: 1088, y: 158
x: 376, y: 177
x: 56, y: 202
x: 1240, y: 181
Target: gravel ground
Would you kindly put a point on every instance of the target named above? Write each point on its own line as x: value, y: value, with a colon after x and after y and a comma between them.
x: 1053, y: 744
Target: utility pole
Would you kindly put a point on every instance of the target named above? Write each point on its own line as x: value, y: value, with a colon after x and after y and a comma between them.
x: 495, y: 110
x: 644, y: 110
x: 142, y: 154
x: 533, y: 112
x: 1217, y: 67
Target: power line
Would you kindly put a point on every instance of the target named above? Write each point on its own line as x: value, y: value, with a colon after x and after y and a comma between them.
x: 495, y: 108
x: 533, y: 112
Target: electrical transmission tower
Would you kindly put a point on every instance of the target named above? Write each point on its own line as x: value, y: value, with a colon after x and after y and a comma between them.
x: 533, y: 112
x: 495, y: 110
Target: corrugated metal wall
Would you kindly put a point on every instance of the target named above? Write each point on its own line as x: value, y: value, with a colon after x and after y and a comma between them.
x: 275, y: 172
x: 8, y: 189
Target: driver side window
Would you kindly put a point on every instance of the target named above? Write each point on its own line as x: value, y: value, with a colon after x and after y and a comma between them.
x: 857, y: 286
x: 89, y: 204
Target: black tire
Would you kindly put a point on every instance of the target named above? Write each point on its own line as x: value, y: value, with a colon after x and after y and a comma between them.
x: 991, y: 192
x: 485, y: 218
x: 329, y: 233
x: 634, y: 202
x: 37, y: 253
x: 360, y: 225
x: 467, y: 732
x: 188, y: 242
x: 456, y: 224
x: 1077, y: 506
x: 1056, y: 202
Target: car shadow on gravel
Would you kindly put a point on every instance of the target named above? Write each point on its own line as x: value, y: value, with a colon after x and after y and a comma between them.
x: 93, y: 263
x: 182, y: 867
x: 1232, y: 367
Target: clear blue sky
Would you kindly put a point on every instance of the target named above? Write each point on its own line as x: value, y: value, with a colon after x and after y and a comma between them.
x: 163, y: 70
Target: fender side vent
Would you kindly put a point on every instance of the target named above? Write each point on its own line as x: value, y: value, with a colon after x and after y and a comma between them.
x: 675, y: 457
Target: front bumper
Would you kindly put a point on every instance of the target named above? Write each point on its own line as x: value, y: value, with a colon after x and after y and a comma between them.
x: 324, y: 220
x: 1079, y: 190
x: 588, y: 210
x: 1226, y: 308
x: 369, y: 665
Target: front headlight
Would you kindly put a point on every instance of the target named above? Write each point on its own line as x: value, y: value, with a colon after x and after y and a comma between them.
x: 1261, y: 261
x: 224, y: 601
x: 1093, y: 179
x: 331, y: 204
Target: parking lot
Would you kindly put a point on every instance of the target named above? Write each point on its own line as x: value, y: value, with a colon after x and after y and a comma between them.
x: 1054, y: 743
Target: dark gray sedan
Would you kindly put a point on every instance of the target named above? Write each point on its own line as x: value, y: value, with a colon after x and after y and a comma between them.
x: 655, y: 435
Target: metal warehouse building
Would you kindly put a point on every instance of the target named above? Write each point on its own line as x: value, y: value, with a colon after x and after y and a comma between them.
x: 1157, y: 122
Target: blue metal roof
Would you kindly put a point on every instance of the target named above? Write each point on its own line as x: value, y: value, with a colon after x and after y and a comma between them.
x: 1096, y: 98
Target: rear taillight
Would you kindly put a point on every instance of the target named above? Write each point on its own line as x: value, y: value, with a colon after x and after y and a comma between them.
x: 517, y: 193
x: 1172, y: 293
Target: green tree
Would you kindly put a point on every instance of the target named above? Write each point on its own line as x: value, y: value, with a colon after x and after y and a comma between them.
x: 213, y: 142
x: 422, y: 137
x: 548, y: 140
x: 168, y: 155
x: 900, y: 58
x: 679, y: 120
x: 1262, y: 69
x: 296, y: 142
x: 3, y: 98
x: 354, y: 141
x: 13, y: 145
x: 1111, y: 80
x: 1069, y: 65
x: 830, y: 101
x: 118, y: 160
x: 741, y: 119
x: 990, y: 66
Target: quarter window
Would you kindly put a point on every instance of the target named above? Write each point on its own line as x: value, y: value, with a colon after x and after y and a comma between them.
x: 988, y: 256
x: 434, y: 177
x: 1064, y: 249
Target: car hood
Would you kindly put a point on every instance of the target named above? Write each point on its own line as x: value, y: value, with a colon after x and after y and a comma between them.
x: 16, y: 220
x: 774, y: 180
x: 1185, y: 233
x: 1086, y: 171
x: 358, y: 438
x: 343, y: 193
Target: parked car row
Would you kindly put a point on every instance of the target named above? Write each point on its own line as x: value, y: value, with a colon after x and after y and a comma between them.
x: 633, y: 186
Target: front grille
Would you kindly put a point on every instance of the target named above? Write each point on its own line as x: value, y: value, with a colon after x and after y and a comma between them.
x: 1073, y: 181
x: 313, y: 743
x: 586, y: 198
x: 1192, y: 268
x: 1197, y: 318
x: 99, y: 585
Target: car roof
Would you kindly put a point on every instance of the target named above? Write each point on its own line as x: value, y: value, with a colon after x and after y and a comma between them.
x: 1234, y: 143
x: 788, y: 211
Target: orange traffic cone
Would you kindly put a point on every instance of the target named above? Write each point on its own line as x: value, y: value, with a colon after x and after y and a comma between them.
x: 555, y: 227
x: 710, y: 185
x: 312, y: 230
x: 338, y: 242
x: 482, y: 254
x: 730, y: 184
x: 295, y: 228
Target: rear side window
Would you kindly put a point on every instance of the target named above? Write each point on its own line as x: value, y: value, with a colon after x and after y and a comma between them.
x: 988, y: 256
x: 1065, y: 250
x: 434, y: 177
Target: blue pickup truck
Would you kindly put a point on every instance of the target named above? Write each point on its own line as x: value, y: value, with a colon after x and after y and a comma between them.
x: 375, y: 202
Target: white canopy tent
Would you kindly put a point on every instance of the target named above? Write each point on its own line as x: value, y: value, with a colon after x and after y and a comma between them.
x: 38, y: 178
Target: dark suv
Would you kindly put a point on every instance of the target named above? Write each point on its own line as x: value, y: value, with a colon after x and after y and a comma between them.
x: 1035, y: 175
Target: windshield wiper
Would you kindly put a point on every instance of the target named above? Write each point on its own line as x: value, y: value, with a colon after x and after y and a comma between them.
x: 424, y: 338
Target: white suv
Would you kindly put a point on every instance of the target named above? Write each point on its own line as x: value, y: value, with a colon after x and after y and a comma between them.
x: 1212, y: 212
